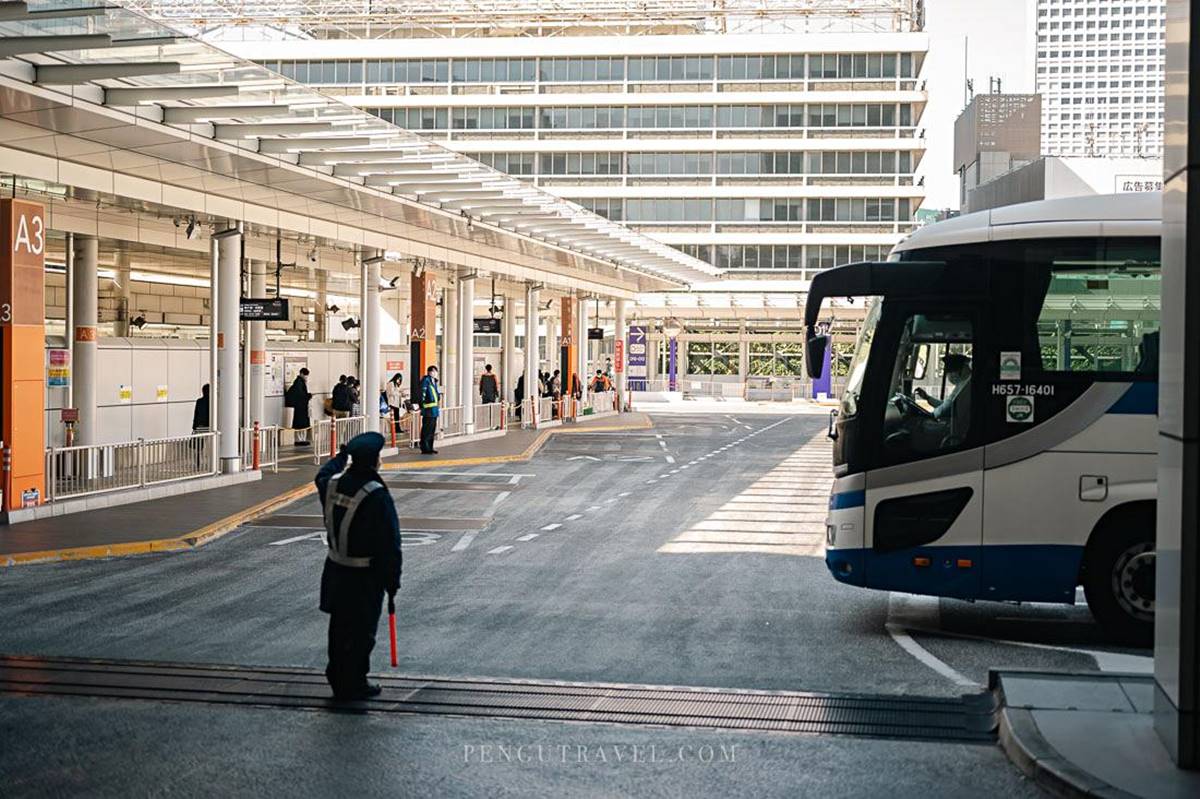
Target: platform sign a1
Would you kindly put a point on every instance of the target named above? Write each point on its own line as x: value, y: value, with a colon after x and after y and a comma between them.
x: 637, y: 351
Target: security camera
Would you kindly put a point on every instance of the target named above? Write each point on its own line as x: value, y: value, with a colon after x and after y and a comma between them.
x: 312, y: 255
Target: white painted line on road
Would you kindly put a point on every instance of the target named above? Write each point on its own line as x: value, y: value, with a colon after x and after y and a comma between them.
x: 294, y: 539
x: 651, y: 482
x: 593, y: 507
x: 554, y: 526
x: 503, y: 495
x: 529, y: 537
x: 623, y: 494
x: 574, y: 516
x: 663, y: 476
x: 610, y: 500
x: 463, y: 542
x: 499, y: 550
x: 908, y: 608
x: 670, y: 459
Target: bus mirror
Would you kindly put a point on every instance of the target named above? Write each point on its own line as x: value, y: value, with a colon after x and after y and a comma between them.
x: 922, y: 364
x: 814, y: 355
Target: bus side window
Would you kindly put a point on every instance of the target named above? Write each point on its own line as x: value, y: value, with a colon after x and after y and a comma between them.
x: 1102, y: 317
x: 929, y: 409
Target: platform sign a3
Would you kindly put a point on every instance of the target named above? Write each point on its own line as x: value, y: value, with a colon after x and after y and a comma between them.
x: 636, y: 357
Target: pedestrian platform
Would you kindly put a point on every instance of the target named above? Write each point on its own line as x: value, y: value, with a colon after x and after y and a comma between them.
x: 188, y: 520
x: 1089, y: 734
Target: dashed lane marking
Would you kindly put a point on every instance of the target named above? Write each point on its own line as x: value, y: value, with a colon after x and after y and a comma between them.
x: 554, y: 526
x: 670, y: 459
x: 574, y: 516
x: 528, y: 537
x: 499, y: 550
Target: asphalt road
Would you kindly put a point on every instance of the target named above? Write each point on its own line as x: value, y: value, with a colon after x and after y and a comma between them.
x: 685, y: 555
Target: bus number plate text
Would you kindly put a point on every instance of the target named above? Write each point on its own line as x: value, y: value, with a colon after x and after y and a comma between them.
x: 1022, y: 390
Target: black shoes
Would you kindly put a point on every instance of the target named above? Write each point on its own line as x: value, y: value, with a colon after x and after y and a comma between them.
x: 429, y: 452
x: 372, y: 690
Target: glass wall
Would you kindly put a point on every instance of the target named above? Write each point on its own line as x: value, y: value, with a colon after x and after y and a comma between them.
x: 794, y: 210
x: 706, y: 164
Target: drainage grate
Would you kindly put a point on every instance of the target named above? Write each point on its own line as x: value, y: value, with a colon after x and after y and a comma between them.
x: 968, y: 719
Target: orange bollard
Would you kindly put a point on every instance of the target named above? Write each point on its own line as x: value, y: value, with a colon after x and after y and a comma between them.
x: 393, y: 421
x: 333, y: 438
x: 254, y: 459
x: 392, y: 629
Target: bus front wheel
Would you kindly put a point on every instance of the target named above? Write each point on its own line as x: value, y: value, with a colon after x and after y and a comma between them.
x: 1118, y: 578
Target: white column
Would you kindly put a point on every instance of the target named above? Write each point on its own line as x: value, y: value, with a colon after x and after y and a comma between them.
x: 585, y: 376
x: 743, y: 353
x: 69, y: 316
x: 229, y: 256
x: 368, y: 350
x: 508, y: 360
x: 84, y: 353
x: 322, y: 306
x: 258, y: 348
x: 214, y: 302
x: 124, y: 294
x: 531, y: 341
x: 450, y: 330
x: 466, y: 350
x: 620, y: 335
x: 552, y: 358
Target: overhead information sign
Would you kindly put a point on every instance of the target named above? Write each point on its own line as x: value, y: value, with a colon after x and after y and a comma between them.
x: 266, y: 310
x: 487, y: 325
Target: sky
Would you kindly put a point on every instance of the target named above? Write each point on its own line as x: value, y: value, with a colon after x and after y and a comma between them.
x: 1000, y: 43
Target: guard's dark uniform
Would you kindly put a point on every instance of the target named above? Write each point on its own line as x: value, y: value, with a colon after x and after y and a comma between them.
x: 363, y: 562
x: 431, y: 396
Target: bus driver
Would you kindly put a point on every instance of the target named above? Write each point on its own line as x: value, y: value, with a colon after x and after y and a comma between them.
x: 958, y: 372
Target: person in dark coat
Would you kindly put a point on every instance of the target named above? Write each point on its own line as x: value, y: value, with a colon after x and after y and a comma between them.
x: 340, y: 398
x: 200, y: 423
x: 431, y: 400
x: 519, y: 394
x: 297, y: 398
x: 489, y: 386
x: 363, y: 562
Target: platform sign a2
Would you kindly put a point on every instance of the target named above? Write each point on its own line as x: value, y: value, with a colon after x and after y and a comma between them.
x: 636, y: 357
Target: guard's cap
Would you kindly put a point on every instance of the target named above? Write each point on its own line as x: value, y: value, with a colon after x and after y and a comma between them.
x: 365, y: 446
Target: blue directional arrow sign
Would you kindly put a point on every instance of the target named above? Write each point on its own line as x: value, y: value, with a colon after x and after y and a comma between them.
x: 637, y: 357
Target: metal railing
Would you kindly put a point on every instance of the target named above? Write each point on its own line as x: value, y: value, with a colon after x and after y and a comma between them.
x: 451, y: 422
x: 711, y: 388
x: 489, y: 416
x: 267, y: 445
x: 547, y: 410
x: 95, y: 469
x: 604, y: 401
x: 528, y: 412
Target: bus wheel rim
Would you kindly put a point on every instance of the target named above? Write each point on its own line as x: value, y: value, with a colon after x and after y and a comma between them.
x: 1133, y: 581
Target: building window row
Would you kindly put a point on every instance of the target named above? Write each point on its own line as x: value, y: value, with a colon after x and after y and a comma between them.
x: 813, y: 115
x: 751, y: 209
x: 841, y: 66
x: 791, y: 257
x: 702, y: 164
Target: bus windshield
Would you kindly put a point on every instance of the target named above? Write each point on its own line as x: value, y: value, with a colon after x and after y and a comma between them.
x: 858, y: 365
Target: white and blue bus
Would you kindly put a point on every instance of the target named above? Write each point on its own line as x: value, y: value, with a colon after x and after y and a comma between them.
x: 996, y: 438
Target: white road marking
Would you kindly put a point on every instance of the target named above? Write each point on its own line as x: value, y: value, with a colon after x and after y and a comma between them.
x: 623, y: 494
x: 905, y: 610
x: 593, y: 507
x: 463, y: 542
x: 670, y: 459
x: 529, y: 537
x: 574, y: 516
x: 499, y: 550
x: 294, y: 539
x: 503, y: 495
x: 554, y: 526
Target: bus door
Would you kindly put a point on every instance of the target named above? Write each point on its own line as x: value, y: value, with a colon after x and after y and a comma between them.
x: 924, y: 477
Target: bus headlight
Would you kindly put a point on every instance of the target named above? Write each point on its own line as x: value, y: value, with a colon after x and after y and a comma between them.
x: 830, y: 534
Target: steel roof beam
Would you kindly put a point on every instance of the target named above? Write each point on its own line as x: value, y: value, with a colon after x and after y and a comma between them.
x: 187, y: 115
x: 272, y: 146
x: 235, y: 130
x: 71, y: 74
x: 129, y: 96
x: 19, y: 12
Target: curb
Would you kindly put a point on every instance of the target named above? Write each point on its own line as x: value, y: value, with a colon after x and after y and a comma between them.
x: 221, y: 527
x: 1030, y: 752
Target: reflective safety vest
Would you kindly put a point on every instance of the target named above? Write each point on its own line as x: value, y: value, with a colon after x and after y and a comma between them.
x: 337, y: 529
x: 429, y: 394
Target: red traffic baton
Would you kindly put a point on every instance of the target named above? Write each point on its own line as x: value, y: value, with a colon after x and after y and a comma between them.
x: 392, y: 628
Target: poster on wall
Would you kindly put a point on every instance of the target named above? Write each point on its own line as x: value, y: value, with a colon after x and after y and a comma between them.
x: 58, y: 369
x: 160, y: 393
x: 292, y: 364
x: 124, y: 394
x: 274, y: 375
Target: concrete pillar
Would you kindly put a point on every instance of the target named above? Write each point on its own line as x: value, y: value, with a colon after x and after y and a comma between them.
x: 322, y: 315
x: 257, y: 388
x: 509, y: 370
x: 451, y: 324
x: 124, y: 295
x: 743, y: 353
x: 585, y: 374
x: 69, y: 320
x: 620, y: 342
x: 84, y: 354
x: 466, y: 348
x: 551, y: 343
x: 531, y: 341
x: 368, y: 351
x: 229, y: 258
x: 1177, y: 567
